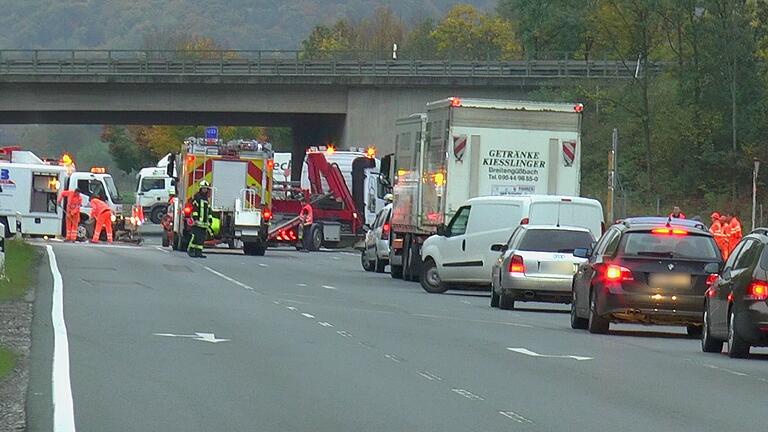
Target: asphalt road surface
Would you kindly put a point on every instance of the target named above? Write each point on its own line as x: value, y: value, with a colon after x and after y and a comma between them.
x: 310, y: 342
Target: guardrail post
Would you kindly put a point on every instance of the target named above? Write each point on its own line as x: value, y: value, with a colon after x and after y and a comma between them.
x: 258, y: 64
x: 34, y: 61
x: 221, y: 62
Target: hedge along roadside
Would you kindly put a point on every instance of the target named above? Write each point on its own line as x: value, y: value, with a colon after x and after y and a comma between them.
x: 20, y: 261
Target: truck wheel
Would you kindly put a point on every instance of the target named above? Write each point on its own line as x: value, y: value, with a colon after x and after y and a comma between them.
x: 84, y: 231
x: 430, y: 278
x: 314, y: 240
x: 257, y: 248
x: 381, y: 265
x: 157, y: 214
x: 414, y: 262
x: 396, y: 272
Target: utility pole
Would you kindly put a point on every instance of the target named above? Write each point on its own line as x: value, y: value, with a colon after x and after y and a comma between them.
x: 611, y: 204
x: 754, y: 191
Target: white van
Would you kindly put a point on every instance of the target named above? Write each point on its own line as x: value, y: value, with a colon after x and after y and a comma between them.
x: 461, y: 251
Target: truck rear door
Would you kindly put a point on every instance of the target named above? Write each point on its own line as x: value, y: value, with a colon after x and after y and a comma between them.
x: 229, y: 180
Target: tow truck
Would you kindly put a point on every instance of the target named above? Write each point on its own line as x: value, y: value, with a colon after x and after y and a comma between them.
x: 240, y: 175
x: 336, y: 219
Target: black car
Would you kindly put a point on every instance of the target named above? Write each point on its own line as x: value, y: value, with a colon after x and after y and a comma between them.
x: 736, y: 308
x: 647, y: 271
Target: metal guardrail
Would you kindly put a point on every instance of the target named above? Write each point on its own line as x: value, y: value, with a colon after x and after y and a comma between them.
x: 290, y: 63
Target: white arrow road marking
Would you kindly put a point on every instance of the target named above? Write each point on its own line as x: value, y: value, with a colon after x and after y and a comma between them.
x: 63, y: 407
x: 227, y: 278
x: 325, y: 324
x: 515, y: 416
x: 329, y: 287
x: 533, y: 354
x: 205, y: 337
x: 307, y: 315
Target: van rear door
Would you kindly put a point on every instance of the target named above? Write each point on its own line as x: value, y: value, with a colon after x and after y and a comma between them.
x: 568, y: 213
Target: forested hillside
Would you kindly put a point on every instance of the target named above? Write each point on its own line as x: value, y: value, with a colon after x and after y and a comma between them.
x: 242, y: 24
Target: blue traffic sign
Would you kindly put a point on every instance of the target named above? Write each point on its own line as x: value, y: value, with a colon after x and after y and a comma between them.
x: 212, y: 133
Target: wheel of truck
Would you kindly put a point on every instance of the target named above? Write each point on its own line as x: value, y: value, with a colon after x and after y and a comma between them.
x: 183, y: 242
x: 430, y: 278
x: 396, y: 271
x: 256, y: 248
x: 314, y: 240
x: 157, y: 213
x: 84, y: 230
x: 367, y: 264
x: 414, y: 262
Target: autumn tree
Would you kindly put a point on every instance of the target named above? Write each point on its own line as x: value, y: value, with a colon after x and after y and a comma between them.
x: 467, y: 34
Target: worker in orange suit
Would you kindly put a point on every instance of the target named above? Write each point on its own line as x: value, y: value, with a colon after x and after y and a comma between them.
x: 725, y: 236
x: 102, y: 214
x: 736, y: 233
x: 72, y: 212
x: 716, y: 229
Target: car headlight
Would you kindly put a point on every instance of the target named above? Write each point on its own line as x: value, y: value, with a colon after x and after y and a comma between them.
x: 114, y: 218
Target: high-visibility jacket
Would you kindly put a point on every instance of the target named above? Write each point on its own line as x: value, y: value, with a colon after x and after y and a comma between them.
x: 721, y: 239
x: 680, y: 216
x: 74, y: 201
x: 98, y: 207
x: 725, y: 236
x: 201, y: 212
x: 736, y: 234
x: 306, y: 215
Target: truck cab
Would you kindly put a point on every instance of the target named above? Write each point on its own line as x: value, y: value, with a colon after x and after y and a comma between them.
x: 153, y: 192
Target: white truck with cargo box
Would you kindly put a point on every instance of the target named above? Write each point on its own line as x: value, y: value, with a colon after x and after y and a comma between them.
x: 29, y: 189
x: 465, y: 148
x: 154, y: 188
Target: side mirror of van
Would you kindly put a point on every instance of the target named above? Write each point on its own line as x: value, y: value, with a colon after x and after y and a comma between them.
x: 499, y: 247
x: 582, y: 252
x: 441, y: 230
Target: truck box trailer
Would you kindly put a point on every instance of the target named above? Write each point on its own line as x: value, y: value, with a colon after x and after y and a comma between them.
x: 464, y: 148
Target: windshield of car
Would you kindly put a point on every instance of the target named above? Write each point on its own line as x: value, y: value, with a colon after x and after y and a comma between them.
x: 113, y: 192
x: 668, y: 246
x: 554, y: 240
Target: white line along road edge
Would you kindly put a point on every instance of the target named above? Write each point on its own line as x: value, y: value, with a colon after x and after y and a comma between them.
x: 63, y: 407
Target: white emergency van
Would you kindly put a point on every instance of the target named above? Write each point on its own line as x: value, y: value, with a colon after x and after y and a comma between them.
x: 461, y: 252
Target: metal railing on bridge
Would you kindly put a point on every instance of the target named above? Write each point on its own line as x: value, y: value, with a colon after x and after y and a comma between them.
x: 294, y: 63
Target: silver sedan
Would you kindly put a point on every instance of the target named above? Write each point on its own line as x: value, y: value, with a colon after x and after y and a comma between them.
x: 537, y: 264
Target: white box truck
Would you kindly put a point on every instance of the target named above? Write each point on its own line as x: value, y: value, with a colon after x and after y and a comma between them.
x: 465, y: 148
x: 29, y: 189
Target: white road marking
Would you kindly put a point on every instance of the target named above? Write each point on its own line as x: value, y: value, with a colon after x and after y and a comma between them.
x: 430, y: 376
x: 467, y: 394
x: 344, y: 333
x: 350, y: 254
x: 162, y: 249
x: 733, y: 372
x: 466, y: 302
x: 227, y: 278
x: 394, y: 358
x: 325, y: 324
x: 472, y: 320
x: 533, y: 354
x: 291, y: 308
x: 276, y: 302
x: 329, y: 287
x: 205, y: 337
x: 63, y: 407
x: 335, y: 258
x: 515, y: 417
x: 307, y: 315
x: 301, y: 284
x: 263, y: 265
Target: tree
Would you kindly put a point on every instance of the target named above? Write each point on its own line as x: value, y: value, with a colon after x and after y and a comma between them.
x: 419, y: 43
x: 467, y: 34
x: 325, y: 41
x: 126, y: 152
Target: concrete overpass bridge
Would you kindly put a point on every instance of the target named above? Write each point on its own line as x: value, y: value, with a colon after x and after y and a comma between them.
x: 351, y: 101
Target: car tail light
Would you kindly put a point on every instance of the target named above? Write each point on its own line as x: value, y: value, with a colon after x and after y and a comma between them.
x: 524, y: 221
x: 669, y: 231
x: 757, y: 290
x: 614, y: 273
x: 267, y: 214
x: 517, y: 265
x: 385, y: 231
x: 711, y: 279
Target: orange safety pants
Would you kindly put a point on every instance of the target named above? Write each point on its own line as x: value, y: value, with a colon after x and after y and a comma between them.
x: 73, y: 220
x: 103, y: 221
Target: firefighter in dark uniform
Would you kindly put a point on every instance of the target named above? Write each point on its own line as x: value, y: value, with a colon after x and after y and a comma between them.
x: 201, y: 220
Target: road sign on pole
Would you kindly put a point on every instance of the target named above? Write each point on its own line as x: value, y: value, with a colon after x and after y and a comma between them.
x: 211, y: 135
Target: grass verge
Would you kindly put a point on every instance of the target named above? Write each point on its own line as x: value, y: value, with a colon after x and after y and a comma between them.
x: 20, y: 260
x: 7, y: 362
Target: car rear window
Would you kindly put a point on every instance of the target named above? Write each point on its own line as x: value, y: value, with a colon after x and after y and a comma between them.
x: 668, y: 246
x: 543, y: 240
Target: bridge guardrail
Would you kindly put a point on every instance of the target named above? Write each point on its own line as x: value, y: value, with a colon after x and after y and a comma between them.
x: 290, y: 63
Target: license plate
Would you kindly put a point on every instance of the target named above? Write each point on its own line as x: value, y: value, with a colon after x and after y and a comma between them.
x: 670, y: 280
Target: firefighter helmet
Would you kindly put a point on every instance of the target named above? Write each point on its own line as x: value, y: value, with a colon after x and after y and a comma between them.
x: 204, y: 184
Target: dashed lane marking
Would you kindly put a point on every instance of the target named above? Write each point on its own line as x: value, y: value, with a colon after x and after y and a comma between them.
x: 530, y: 353
x: 515, y: 417
x: 229, y: 279
x: 513, y: 324
x: 306, y: 315
x: 329, y: 287
x: 344, y: 333
x: 430, y: 376
x: 301, y: 284
x: 162, y: 249
x: 394, y: 358
x: 467, y: 394
x: 730, y: 371
x: 291, y: 308
x: 325, y: 324
x: 263, y: 265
